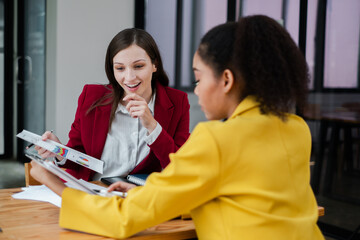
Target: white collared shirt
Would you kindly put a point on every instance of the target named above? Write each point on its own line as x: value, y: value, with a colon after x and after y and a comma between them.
x: 126, y: 143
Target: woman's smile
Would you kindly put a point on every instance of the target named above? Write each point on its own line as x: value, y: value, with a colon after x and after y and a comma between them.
x: 133, y: 87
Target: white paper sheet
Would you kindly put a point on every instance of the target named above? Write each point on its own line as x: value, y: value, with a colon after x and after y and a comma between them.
x: 44, y: 194
x: 39, y: 193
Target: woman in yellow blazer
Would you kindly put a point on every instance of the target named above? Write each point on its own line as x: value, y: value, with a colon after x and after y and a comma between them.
x: 246, y: 177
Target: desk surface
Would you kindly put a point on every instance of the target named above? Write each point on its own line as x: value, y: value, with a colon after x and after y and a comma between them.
x: 26, y: 219
x: 340, y: 116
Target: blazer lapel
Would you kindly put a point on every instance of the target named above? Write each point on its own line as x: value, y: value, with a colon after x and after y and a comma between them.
x: 163, y: 107
x: 101, y: 126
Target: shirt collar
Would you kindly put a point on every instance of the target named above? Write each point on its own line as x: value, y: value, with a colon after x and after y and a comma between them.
x: 248, y: 103
x: 121, y: 108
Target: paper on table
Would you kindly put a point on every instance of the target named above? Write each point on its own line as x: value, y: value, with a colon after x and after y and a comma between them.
x: 39, y: 193
x: 44, y: 194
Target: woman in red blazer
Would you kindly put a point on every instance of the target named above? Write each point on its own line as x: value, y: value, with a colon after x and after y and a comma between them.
x: 134, y: 68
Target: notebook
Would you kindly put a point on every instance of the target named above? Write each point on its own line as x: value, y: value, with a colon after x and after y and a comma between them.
x: 138, y: 179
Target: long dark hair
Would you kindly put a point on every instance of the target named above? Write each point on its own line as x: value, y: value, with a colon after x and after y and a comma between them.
x: 262, y: 53
x: 121, y: 41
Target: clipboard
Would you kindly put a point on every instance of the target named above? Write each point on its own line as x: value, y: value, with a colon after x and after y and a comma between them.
x: 71, y: 180
x: 52, y: 167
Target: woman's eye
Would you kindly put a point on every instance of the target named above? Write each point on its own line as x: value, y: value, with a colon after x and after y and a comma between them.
x: 138, y: 66
x: 120, y: 68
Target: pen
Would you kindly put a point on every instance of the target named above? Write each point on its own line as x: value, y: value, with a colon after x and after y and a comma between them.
x: 29, y: 146
x: 107, y: 194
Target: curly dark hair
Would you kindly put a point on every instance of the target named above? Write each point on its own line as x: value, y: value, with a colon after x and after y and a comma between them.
x: 273, y: 67
x: 260, y: 51
x: 217, y: 46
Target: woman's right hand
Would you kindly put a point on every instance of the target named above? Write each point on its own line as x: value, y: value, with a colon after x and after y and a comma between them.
x: 42, y: 151
x: 120, y: 186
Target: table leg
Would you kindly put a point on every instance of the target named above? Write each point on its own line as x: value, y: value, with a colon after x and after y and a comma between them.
x: 319, y: 156
x: 348, y: 148
x: 332, y: 157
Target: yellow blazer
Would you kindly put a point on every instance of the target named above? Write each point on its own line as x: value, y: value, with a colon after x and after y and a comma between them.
x: 245, y: 178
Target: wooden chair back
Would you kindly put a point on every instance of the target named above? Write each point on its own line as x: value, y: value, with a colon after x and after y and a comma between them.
x: 29, y: 180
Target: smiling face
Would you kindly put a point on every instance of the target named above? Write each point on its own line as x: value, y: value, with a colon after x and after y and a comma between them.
x: 133, y: 70
x: 209, y: 89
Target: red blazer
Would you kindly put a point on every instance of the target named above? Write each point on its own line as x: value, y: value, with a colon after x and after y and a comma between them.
x: 89, y: 131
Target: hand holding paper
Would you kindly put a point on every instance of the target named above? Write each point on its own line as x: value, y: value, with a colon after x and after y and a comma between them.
x: 43, y: 152
x: 63, y: 151
x: 47, y: 173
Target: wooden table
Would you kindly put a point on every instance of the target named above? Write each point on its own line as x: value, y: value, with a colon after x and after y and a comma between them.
x: 26, y: 219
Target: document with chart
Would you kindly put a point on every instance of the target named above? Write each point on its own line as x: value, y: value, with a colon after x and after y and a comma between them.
x: 64, y: 151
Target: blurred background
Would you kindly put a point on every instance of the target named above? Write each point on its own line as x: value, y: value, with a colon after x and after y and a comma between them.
x: 50, y: 49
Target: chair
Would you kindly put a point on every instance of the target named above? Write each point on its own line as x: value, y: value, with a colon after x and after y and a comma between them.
x: 353, y: 135
x: 29, y: 180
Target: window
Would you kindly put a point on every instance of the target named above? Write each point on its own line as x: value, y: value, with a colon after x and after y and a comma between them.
x: 341, y: 63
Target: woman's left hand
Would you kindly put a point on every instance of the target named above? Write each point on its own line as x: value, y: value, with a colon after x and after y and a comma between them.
x: 138, y: 108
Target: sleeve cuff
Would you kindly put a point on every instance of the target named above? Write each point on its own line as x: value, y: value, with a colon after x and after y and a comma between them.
x: 150, y: 139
